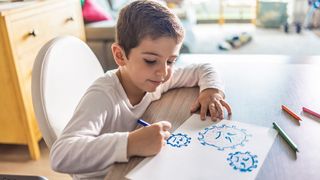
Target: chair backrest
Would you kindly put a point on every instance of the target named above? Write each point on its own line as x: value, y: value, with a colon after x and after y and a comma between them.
x: 63, y: 70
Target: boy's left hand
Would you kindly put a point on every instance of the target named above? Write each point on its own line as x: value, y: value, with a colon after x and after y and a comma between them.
x: 212, y: 101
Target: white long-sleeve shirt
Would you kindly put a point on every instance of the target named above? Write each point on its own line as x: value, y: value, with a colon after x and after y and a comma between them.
x: 97, y: 135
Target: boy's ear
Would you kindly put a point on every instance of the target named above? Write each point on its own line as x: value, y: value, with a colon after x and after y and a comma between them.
x: 118, y: 54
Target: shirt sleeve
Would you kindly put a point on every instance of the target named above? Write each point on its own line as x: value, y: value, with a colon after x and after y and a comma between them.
x: 203, y: 75
x: 82, y: 148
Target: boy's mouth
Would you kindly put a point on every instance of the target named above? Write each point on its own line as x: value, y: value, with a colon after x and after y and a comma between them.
x: 157, y: 83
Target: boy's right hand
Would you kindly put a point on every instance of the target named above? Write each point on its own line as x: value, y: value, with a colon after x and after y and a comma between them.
x: 148, y: 141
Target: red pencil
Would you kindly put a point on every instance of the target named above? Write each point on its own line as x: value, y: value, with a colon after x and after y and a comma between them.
x: 311, y: 112
x: 290, y: 112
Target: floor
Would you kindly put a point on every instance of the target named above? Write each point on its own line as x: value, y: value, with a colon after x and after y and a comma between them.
x: 14, y: 159
x: 264, y: 41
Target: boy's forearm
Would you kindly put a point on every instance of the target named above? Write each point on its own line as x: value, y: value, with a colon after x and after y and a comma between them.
x: 66, y: 152
x: 202, y: 75
x: 210, y: 78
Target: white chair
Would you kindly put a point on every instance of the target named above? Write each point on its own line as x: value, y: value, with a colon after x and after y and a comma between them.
x: 63, y: 70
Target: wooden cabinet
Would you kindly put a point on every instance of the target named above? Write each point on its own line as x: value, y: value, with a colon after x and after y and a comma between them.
x: 24, y: 29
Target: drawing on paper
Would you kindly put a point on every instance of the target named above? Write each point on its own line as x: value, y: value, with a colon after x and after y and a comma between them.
x: 245, y: 162
x: 178, y: 140
x: 222, y: 137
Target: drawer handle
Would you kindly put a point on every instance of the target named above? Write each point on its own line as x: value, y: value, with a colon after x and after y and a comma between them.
x: 69, y: 19
x: 33, y: 33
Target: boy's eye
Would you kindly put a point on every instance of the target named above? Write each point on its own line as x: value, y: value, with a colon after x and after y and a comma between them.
x: 148, y: 61
x: 171, y: 62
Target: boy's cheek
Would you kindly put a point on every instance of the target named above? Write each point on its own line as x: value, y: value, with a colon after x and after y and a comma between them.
x: 168, y: 76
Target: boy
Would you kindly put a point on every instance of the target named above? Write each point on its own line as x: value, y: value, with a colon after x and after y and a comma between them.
x: 148, y: 41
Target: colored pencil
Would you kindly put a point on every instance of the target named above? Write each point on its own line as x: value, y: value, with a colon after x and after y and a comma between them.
x: 285, y: 137
x: 291, y: 113
x: 142, y: 122
x: 311, y: 112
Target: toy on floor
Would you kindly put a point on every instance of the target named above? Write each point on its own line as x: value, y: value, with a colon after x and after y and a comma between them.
x: 235, y: 41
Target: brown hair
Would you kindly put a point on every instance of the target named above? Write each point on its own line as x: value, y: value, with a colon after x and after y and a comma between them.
x: 144, y: 18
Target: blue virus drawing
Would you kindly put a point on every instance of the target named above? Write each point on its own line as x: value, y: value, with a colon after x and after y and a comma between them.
x: 223, y: 137
x: 178, y: 140
x: 244, y: 162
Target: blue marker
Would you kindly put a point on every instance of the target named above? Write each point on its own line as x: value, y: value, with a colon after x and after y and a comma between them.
x: 142, y: 122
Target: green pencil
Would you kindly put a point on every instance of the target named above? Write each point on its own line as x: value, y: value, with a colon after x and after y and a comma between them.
x: 285, y: 137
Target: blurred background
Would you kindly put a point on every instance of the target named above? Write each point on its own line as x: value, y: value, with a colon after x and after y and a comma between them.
x: 285, y: 27
x: 289, y: 27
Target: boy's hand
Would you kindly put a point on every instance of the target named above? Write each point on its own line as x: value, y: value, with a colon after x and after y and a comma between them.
x: 148, y: 141
x: 212, y: 101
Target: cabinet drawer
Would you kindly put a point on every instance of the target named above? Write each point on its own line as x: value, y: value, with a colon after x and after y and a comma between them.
x: 34, y: 31
x: 67, y: 21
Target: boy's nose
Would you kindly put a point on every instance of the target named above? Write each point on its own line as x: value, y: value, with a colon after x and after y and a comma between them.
x: 162, y: 70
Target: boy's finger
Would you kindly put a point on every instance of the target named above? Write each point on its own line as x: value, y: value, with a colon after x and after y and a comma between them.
x: 213, y: 112
x: 227, y: 106
x: 164, y: 143
x: 219, y: 109
x: 166, y: 125
x: 203, y: 111
x: 166, y: 134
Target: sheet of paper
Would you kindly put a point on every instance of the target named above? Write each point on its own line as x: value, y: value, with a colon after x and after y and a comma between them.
x: 208, y: 150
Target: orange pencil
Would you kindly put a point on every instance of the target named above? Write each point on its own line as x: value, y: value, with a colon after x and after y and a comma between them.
x: 290, y: 112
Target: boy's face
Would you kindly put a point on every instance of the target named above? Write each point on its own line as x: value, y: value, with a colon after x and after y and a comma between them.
x: 150, y: 64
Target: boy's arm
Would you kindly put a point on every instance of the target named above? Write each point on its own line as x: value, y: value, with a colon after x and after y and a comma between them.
x: 211, y: 98
x: 82, y: 148
x: 203, y: 75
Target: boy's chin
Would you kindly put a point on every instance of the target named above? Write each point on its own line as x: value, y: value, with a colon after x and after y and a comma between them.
x: 152, y: 89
